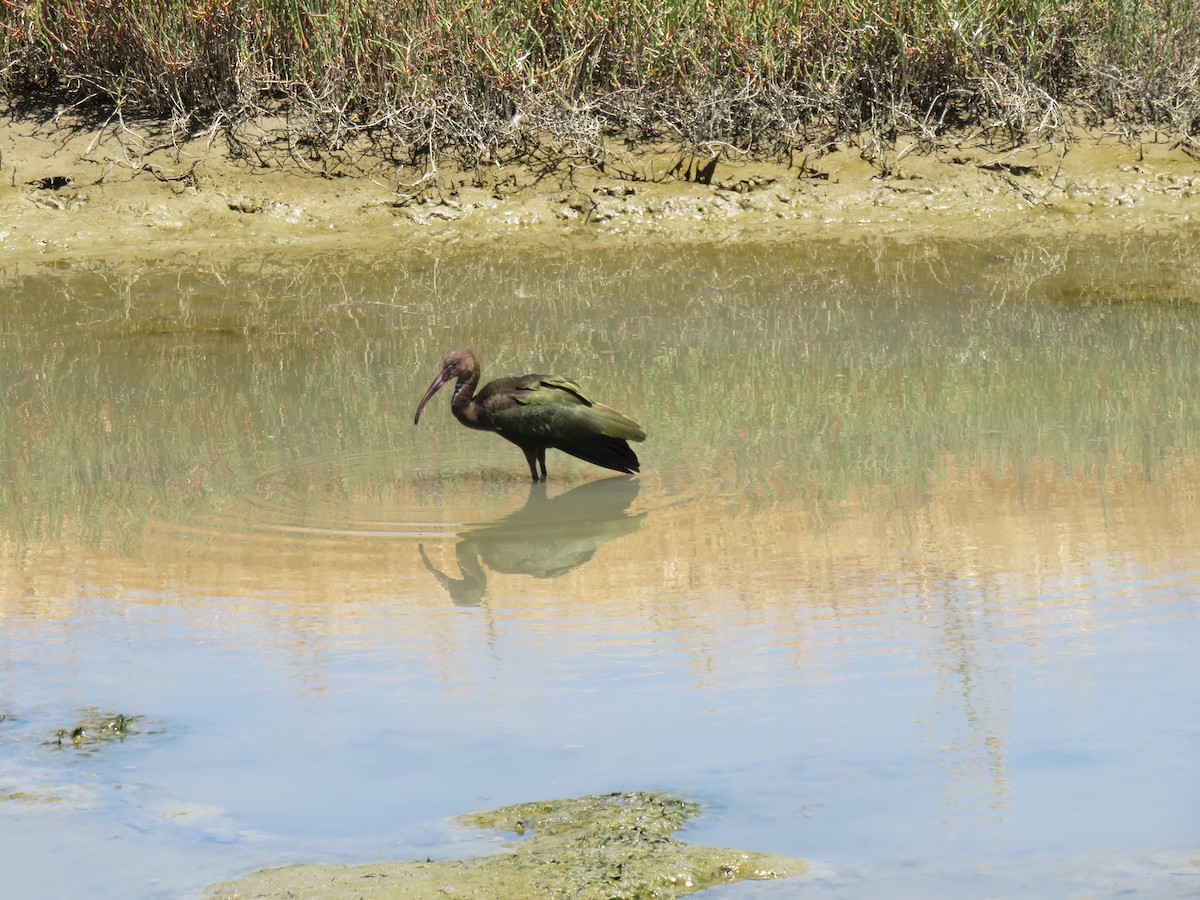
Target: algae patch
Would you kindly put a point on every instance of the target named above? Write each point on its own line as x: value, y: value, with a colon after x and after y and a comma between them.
x: 603, y: 846
x: 93, y: 730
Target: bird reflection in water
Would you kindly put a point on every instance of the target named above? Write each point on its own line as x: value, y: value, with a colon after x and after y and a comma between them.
x: 546, y: 538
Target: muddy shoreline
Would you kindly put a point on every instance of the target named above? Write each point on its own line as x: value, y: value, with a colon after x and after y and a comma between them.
x: 76, y: 193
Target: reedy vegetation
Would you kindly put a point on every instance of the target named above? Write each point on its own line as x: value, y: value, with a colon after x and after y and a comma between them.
x: 492, y: 80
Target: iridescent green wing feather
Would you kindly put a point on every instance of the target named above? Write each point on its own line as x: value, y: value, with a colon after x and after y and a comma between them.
x: 563, y: 411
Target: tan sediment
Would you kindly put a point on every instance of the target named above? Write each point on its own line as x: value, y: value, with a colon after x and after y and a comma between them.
x: 80, y: 192
x: 1012, y: 524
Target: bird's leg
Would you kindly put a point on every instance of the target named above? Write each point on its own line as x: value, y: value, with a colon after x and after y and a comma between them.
x: 531, y: 457
x: 541, y: 455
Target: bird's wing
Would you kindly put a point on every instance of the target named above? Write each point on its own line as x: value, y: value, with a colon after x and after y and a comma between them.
x: 550, y: 385
x: 556, y: 408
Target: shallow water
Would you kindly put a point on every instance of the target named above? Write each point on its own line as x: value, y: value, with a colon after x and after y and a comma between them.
x: 907, y: 586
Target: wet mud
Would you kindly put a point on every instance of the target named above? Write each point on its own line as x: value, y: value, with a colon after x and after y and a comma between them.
x: 78, y: 192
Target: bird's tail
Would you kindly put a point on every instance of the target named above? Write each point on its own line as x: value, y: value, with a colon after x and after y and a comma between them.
x: 602, y: 450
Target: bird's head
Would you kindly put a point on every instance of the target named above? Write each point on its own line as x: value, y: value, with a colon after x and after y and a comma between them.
x: 460, y: 364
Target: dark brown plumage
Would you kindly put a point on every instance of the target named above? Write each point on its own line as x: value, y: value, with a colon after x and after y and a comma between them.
x: 538, y: 413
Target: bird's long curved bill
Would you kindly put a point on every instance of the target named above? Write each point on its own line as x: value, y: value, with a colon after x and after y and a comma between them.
x: 433, y: 389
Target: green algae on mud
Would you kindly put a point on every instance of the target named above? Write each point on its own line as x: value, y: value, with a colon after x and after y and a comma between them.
x: 612, y: 846
x: 93, y: 730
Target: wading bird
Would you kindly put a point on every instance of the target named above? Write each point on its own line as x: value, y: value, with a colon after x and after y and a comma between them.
x: 538, y: 413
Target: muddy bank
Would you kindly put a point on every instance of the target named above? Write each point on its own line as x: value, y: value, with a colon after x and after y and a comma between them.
x: 84, y: 192
x: 611, y: 846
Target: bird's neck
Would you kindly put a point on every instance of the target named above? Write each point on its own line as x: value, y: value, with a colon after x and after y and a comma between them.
x: 462, y: 402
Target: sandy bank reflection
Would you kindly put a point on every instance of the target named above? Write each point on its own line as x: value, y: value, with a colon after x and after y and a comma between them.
x: 546, y: 538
